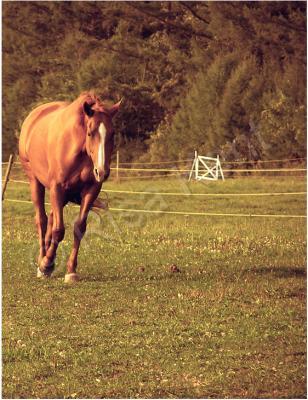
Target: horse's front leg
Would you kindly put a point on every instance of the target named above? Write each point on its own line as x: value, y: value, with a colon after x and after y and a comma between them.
x: 88, y: 197
x: 48, y: 235
x: 57, y: 232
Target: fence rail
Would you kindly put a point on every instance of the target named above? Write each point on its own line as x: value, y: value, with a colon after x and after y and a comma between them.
x: 190, y: 160
x: 177, y: 173
x: 225, y: 170
x: 184, y: 213
x: 173, y: 168
x: 191, y: 194
x: 301, y: 159
x: 176, y: 170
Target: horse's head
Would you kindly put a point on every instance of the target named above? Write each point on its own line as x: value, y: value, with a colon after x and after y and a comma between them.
x: 100, y: 137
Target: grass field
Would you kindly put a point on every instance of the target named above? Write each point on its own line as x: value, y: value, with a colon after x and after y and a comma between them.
x: 230, y: 323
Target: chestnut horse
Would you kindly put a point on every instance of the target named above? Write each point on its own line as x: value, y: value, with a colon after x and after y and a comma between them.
x: 66, y: 148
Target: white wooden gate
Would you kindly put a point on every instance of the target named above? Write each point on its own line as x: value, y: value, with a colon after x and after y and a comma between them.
x: 207, y: 168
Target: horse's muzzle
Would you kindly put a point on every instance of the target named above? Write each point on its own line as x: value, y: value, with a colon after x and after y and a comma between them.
x: 100, y: 175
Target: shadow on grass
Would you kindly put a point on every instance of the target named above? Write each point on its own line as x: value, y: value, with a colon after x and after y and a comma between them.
x: 281, y: 272
x: 130, y: 278
x: 146, y: 277
x: 184, y: 276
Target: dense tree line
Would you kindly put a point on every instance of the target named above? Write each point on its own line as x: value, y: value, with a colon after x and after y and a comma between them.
x: 225, y: 78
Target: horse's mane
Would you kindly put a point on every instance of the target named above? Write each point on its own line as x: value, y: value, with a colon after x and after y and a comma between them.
x: 91, y: 98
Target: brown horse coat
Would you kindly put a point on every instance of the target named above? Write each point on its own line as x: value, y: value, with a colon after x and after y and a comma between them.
x: 66, y: 148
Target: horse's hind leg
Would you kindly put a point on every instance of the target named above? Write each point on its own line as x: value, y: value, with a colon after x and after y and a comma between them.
x: 38, y: 198
x: 55, y: 232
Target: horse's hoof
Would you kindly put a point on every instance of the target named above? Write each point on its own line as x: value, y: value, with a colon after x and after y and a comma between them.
x: 71, y: 278
x: 44, y: 274
x: 45, y: 270
x: 46, y: 265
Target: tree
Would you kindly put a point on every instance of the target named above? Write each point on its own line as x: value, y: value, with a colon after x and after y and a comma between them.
x: 222, y: 77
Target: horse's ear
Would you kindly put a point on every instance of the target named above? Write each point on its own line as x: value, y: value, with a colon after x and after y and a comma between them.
x: 87, y: 108
x: 115, y: 108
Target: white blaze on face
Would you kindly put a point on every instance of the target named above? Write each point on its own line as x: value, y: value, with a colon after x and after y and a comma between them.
x: 101, y: 149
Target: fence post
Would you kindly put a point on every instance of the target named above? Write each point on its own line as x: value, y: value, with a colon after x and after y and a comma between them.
x: 117, y: 170
x: 7, y: 174
x: 197, y: 165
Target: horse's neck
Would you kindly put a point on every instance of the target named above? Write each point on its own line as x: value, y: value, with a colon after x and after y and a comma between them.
x: 75, y: 130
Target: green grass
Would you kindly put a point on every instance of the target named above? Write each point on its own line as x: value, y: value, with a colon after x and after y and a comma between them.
x: 231, y: 323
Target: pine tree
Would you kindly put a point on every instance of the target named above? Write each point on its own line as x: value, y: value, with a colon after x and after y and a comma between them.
x: 226, y: 77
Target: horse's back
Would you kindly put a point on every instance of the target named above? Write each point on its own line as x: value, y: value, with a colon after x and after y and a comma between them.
x: 33, y: 140
x: 35, y: 126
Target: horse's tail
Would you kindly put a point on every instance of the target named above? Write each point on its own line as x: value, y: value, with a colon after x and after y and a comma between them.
x: 100, y: 204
